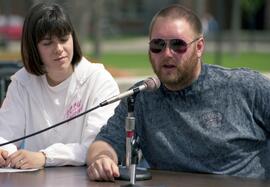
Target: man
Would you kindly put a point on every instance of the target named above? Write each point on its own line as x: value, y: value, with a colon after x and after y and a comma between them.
x: 203, y: 118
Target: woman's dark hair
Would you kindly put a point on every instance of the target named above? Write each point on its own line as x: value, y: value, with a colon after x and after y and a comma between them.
x: 45, y: 19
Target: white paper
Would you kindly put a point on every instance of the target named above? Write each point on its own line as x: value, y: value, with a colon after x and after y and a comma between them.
x: 12, y: 170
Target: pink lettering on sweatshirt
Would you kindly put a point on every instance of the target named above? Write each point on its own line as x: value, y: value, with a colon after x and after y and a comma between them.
x: 74, y: 109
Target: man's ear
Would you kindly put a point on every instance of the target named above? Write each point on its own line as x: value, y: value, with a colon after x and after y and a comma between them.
x: 200, y: 47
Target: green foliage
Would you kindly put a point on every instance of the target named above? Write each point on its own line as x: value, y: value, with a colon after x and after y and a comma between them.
x: 251, y: 6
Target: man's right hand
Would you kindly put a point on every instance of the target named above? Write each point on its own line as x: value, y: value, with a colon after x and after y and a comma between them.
x: 3, y: 157
x: 102, y: 162
x: 103, y: 169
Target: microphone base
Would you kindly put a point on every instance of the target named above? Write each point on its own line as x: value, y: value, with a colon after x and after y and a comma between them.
x: 141, y: 174
x: 130, y: 185
x: 135, y: 185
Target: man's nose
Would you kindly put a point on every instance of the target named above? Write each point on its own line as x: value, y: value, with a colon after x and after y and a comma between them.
x: 167, y: 50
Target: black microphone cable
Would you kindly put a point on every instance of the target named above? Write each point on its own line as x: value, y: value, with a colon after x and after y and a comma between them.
x: 151, y: 84
x: 53, y: 126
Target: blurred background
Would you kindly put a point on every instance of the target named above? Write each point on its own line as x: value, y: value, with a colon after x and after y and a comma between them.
x: 114, y: 32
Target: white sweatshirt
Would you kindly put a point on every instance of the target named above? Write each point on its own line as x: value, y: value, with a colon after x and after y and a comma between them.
x: 26, y: 110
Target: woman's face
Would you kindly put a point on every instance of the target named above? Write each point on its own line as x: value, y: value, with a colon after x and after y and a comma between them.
x: 56, y: 55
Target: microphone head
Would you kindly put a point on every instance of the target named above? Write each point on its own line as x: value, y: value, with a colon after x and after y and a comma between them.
x: 152, y: 83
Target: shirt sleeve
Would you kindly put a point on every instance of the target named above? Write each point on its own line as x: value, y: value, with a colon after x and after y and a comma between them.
x: 12, y: 127
x: 114, y: 132
x: 262, y: 101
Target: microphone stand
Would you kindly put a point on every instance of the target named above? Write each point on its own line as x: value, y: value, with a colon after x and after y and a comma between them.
x: 130, y: 171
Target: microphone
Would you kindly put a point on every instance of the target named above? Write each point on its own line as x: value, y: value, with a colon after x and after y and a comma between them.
x: 129, y: 170
x: 150, y: 84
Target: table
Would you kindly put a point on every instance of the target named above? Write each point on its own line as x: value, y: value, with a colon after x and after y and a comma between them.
x: 77, y: 177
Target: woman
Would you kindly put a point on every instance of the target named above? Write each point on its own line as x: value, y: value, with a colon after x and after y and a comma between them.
x: 55, y: 84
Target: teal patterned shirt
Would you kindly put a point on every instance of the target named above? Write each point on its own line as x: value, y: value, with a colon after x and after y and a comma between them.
x: 220, y: 125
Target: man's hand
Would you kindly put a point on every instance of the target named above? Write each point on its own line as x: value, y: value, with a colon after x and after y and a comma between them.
x: 23, y: 159
x: 103, y: 169
x: 102, y: 162
x: 3, y: 157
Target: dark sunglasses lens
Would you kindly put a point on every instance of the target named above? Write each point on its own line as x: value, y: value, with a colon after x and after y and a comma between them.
x: 178, y: 45
x: 157, y: 45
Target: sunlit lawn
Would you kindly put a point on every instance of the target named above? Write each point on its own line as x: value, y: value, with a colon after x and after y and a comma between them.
x: 256, y: 61
x: 139, y: 62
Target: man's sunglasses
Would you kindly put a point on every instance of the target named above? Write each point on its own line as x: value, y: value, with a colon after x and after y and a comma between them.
x: 177, y: 45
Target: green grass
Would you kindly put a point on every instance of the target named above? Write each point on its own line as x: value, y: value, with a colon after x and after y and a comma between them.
x: 256, y: 61
x: 126, y: 61
x: 139, y: 61
x: 135, y: 64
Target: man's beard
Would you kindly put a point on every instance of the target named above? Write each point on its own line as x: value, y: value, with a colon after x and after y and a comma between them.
x: 184, y: 74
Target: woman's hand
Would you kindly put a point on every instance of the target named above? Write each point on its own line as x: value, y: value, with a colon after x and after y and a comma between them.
x: 23, y: 159
x: 3, y: 157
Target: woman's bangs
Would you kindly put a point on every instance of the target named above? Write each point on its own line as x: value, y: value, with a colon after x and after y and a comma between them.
x: 53, y: 27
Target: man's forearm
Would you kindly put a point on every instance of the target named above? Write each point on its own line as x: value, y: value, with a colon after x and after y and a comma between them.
x: 100, y: 149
